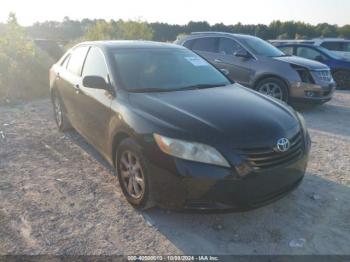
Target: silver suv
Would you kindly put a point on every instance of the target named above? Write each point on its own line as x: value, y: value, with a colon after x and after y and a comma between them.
x: 257, y: 64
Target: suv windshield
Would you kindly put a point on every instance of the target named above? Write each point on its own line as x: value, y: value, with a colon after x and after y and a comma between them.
x: 329, y: 53
x: 156, y: 70
x: 260, y: 47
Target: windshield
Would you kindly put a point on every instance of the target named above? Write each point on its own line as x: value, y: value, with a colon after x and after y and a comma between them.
x: 260, y: 47
x: 147, y: 70
x: 329, y: 53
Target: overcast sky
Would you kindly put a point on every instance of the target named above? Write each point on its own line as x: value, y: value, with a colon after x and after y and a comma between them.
x: 181, y: 11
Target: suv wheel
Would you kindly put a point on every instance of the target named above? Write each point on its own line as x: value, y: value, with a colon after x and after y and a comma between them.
x: 60, y: 117
x: 133, y: 174
x: 342, y: 78
x: 273, y: 87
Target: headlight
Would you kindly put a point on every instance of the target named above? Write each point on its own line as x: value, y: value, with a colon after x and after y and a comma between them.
x: 190, y: 151
x: 304, y: 74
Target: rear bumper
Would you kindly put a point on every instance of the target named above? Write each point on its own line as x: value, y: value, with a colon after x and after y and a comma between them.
x: 311, y: 93
x: 197, y: 186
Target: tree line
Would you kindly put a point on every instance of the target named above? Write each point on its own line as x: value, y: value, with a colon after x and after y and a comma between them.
x: 24, y: 63
x: 69, y: 30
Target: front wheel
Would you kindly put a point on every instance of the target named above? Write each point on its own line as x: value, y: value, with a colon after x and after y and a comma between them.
x: 273, y: 87
x: 342, y: 78
x: 133, y: 174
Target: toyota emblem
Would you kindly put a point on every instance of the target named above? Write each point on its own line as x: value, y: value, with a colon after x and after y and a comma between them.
x: 283, y: 144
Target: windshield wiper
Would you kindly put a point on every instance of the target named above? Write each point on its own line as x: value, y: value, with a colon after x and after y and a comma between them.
x: 149, y: 90
x: 192, y: 87
x: 202, y: 86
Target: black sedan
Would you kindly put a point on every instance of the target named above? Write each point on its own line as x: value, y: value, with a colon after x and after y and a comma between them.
x: 178, y: 132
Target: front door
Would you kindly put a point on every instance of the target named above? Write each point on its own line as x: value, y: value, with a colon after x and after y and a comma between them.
x: 95, y: 104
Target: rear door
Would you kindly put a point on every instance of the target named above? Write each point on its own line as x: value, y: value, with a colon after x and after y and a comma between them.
x: 70, y: 80
x: 240, y: 69
x: 95, y: 104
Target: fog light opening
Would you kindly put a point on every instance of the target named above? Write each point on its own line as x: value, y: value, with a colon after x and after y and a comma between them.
x: 310, y: 93
x: 243, y: 169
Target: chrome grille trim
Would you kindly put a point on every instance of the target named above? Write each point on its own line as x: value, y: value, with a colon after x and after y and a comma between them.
x: 260, y: 158
x: 324, y: 75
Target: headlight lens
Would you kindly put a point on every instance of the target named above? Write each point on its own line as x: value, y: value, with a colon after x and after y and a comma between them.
x: 190, y: 151
x: 304, y: 74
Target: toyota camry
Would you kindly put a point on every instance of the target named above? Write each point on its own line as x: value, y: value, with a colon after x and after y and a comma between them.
x: 178, y: 132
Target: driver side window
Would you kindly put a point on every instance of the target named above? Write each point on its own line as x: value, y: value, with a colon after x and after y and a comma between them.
x: 228, y: 46
x: 310, y: 53
x: 95, y: 64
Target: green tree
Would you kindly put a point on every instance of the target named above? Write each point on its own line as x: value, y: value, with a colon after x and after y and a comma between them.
x: 23, y: 67
x: 102, y: 30
x: 135, y: 30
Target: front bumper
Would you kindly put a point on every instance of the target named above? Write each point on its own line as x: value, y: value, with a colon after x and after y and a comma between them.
x: 196, y: 186
x: 312, y: 93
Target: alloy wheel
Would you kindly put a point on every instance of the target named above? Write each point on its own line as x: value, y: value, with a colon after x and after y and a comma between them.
x: 271, y: 89
x: 58, y: 111
x: 132, y: 174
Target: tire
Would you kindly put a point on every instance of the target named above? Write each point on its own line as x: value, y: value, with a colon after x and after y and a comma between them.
x: 342, y: 78
x: 273, y: 87
x: 61, y: 119
x: 129, y: 153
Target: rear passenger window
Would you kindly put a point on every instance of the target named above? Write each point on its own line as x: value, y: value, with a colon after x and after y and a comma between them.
x: 76, y: 60
x: 207, y: 44
x: 228, y: 46
x: 65, y: 61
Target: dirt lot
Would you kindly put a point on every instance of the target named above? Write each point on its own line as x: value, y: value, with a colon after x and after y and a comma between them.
x: 57, y: 196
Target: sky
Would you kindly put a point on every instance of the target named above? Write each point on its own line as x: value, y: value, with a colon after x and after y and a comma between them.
x: 181, y: 11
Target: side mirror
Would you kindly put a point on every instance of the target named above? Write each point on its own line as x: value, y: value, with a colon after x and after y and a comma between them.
x: 97, y: 82
x: 319, y: 58
x: 242, y: 53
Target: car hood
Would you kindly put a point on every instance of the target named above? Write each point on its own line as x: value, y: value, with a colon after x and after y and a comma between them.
x: 222, y: 115
x: 295, y: 60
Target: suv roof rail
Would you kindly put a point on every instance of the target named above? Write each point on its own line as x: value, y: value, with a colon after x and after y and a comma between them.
x: 210, y: 32
x: 330, y: 38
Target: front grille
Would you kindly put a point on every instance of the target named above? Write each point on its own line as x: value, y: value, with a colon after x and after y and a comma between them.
x: 324, y: 75
x: 261, y: 158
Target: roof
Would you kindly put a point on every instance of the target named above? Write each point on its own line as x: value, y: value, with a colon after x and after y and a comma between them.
x: 218, y: 33
x: 299, y: 44
x: 108, y: 44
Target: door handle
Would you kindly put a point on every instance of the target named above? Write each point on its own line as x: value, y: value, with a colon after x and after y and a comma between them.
x: 217, y: 61
x: 77, y: 89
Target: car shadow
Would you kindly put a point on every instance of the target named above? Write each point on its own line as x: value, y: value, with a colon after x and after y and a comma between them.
x: 79, y: 141
x: 313, y: 212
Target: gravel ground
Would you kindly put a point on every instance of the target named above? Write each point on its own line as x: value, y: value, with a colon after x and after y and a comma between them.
x: 58, y: 196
